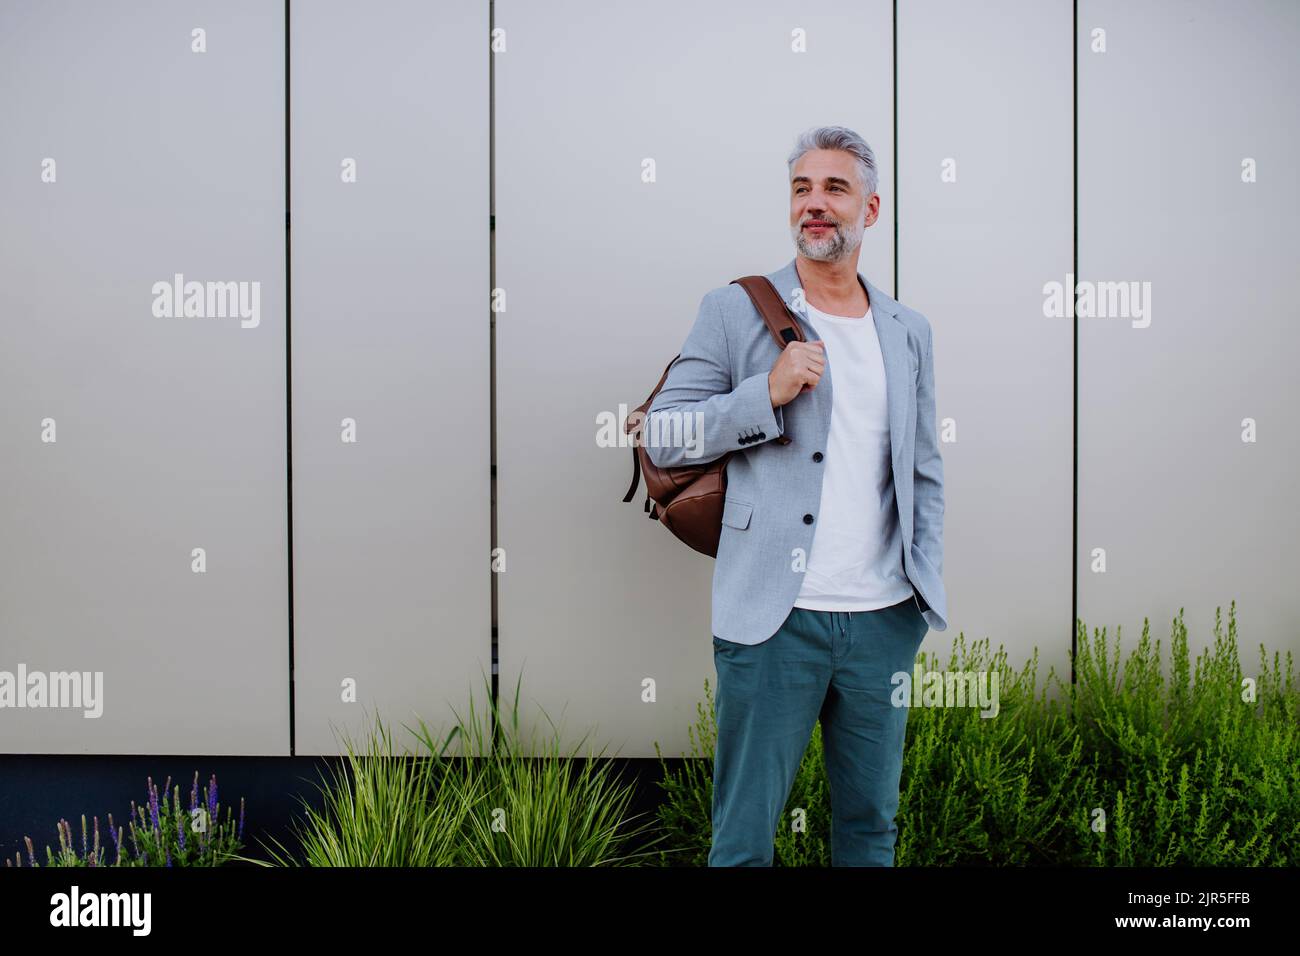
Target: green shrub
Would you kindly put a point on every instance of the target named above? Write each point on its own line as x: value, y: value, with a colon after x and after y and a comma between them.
x: 1124, y: 768
x: 1201, y: 771
x: 989, y: 790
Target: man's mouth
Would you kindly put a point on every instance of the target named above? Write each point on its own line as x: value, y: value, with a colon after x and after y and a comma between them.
x: 818, y: 225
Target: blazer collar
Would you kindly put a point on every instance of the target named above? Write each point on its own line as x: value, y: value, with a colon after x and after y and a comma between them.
x: 786, y: 280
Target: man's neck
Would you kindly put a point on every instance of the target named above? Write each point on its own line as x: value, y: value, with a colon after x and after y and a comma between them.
x: 832, y: 287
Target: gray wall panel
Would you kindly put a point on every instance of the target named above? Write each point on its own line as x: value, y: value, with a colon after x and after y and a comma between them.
x: 604, y: 276
x: 1188, y: 514
x: 985, y: 89
x: 170, y: 430
x: 390, y: 328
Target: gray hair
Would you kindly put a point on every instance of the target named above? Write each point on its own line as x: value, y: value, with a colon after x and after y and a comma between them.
x: 839, y: 137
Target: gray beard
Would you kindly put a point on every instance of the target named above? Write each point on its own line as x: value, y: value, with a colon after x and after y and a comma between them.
x: 824, y: 250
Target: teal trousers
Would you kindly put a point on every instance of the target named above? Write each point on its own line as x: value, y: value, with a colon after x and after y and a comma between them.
x: 832, y: 666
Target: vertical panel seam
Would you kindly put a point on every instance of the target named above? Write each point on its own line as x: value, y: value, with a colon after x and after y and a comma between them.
x: 1074, y: 488
x: 288, y: 376
x: 492, y: 377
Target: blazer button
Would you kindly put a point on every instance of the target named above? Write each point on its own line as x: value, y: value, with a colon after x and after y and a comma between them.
x: 807, y: 519
x: 817, y: 456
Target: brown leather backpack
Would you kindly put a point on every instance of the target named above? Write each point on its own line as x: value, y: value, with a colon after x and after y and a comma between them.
x: 689, y: 499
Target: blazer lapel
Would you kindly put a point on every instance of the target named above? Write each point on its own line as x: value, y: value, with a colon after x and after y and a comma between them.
x: 893, y: 349
x: 898, y: 364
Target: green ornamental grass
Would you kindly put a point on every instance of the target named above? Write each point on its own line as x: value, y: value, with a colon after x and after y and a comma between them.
x: 495, y: 802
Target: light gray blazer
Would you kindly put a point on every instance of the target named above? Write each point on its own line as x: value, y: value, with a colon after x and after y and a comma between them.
x: 719, y: 386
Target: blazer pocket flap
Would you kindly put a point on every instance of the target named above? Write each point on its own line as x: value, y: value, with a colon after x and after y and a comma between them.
x: 735, y: 514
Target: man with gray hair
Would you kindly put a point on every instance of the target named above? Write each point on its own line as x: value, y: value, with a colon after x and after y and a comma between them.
x: 830, y: 561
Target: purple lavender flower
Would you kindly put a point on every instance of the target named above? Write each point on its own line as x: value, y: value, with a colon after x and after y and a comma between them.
x: 194, y: 791
x: 117, y: 838
x: 31, y: 853
x: 83, y: 836
x: 153, y: 804
x: 180, y: 831
x: 241, y: 819
x: 211, y: 790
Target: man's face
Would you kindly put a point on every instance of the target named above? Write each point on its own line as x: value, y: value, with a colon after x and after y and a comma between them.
x: 829, y: 209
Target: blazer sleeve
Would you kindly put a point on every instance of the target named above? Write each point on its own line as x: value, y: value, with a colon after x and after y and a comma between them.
x: 698, y: 415
x: 927, y: 492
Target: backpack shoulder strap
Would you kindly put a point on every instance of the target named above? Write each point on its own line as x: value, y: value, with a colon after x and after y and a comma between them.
x: 781, y: 322
x: 634, y: 424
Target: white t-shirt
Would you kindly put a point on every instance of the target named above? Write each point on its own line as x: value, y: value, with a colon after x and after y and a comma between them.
x: 856, y: 560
